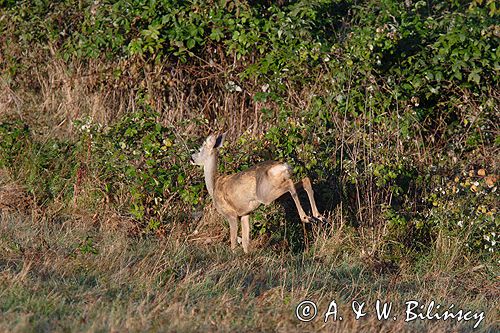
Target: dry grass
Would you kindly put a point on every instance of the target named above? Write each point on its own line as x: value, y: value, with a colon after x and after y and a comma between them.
x: 13, y: 197
x: 51, y: 281
x: 61, y: 93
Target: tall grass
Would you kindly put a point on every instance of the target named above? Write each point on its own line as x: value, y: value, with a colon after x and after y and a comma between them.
x: 83, y: 274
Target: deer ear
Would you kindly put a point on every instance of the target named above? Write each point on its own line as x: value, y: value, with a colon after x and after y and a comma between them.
x: 220, y: 140
x: 210, y: 141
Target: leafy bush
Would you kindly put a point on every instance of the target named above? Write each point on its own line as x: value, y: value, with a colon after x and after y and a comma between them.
x: 45, y: 167
x: 378, y: 101
x: 13, y: 138
x: 466, y: 207
x: 148, y: 161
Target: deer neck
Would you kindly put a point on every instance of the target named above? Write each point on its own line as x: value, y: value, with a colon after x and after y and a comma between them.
x: 210, y: 172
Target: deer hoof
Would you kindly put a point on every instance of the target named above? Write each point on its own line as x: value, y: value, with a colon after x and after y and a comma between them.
x: 313, y: 219
x: 306, y: 219
x: 319, y: 219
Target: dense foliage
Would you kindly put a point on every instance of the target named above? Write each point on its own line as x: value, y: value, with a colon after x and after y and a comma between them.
x: 391, y: 106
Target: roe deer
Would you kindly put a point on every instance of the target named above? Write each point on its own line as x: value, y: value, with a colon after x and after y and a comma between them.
x: 236, y: 195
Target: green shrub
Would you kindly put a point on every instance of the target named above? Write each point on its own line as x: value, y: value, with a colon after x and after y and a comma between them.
x: 150, y: 161
x: 378, y: 101
x: 46, y: 168
x: 13, y: 139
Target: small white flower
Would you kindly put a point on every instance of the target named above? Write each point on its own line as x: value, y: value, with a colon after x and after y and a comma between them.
x: 232, y: 87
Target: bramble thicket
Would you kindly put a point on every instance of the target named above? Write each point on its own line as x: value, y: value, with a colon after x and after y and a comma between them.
x: 391, y: 107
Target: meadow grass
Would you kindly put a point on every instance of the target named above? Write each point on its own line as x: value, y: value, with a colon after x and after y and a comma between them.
x: 82, y: 274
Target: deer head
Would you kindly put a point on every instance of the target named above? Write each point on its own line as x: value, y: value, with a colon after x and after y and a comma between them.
x: 207, y: 158
x: 208, y: 150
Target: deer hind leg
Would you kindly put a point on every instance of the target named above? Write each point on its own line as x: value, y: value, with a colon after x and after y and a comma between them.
x: 306, y: 184
x: 303, y: 217
x: 295, y: 197
x: 245, y: 232
x: 289, y: 186
x: 286, y: 186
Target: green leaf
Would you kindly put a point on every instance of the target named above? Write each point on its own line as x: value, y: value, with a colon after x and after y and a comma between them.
x: 474, y: 76
x: 190, y: 43
x: 438, y: 76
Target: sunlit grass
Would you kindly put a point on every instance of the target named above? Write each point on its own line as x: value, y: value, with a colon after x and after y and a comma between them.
x: 50, y: 282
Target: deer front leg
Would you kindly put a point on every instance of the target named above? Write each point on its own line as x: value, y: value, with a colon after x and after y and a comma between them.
x: 233, y: 230
x: 245, y: 232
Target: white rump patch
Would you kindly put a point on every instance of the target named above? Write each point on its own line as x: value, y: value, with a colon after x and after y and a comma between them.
x: 282, y: 170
